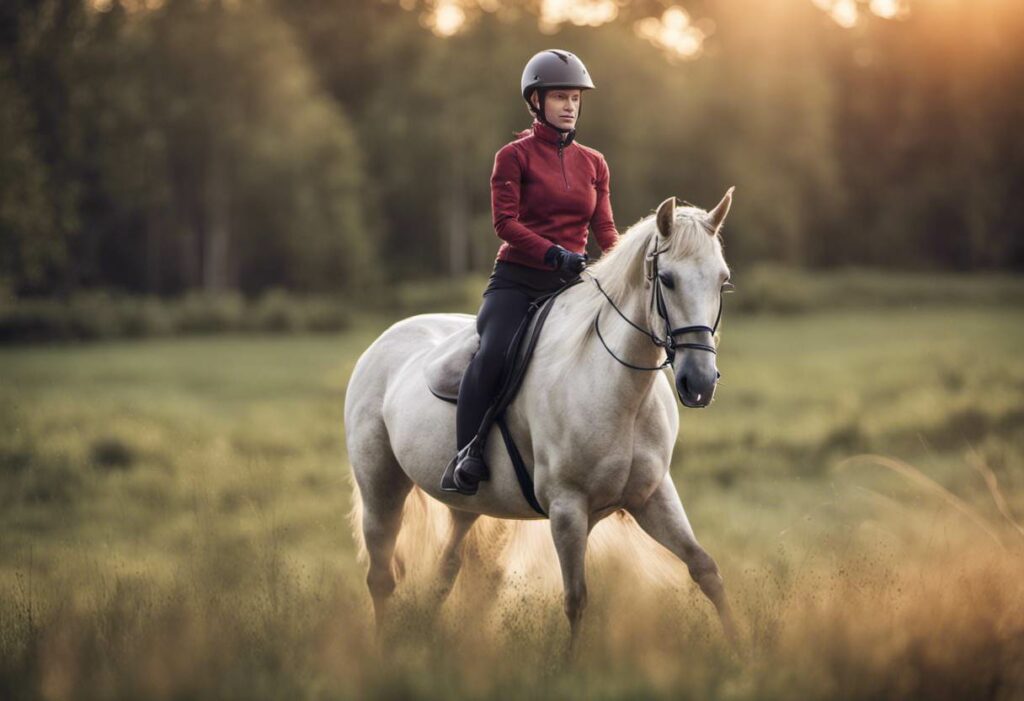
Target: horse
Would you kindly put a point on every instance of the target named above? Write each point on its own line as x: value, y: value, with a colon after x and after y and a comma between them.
x: 595, y: 422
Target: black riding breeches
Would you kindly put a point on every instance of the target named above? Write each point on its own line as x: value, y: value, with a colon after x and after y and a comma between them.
x: 507, y: 299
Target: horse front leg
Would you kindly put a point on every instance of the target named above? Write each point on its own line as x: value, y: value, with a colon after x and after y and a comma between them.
x: 570, y: 525
x: 662, y: 516
x: 451, y: 558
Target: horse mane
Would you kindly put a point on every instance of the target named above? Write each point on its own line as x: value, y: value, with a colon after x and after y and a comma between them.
x: 621, y: 271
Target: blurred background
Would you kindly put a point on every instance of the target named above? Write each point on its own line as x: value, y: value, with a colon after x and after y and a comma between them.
x: 165, y: 146
x: 210, y: 208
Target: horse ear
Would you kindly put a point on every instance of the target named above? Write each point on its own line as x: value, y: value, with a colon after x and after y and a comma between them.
x: 665, y: 216
x: 721, y: 210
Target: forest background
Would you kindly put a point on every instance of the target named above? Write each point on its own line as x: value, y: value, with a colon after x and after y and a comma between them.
x: 165, y: 147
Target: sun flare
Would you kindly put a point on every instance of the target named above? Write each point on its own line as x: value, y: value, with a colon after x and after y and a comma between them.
x: 847, y: 13
x: 674, y: 33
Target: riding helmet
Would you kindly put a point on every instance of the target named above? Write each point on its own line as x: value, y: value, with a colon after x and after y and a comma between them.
x: 554, y: 68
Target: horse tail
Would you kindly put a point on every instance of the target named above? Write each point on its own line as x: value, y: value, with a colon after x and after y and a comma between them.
x: 425, y: 523
x: 355, y: 522
x: 509, y: 554
x: 620, y: 541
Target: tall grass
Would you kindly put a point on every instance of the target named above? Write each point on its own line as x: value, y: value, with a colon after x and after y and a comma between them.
x: 886, y: 625
x: 172, y: 525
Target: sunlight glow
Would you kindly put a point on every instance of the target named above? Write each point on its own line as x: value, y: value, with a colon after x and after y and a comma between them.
x: 889, y: 9
x: 846, y: 13
x: 447, y: 18
x: 673, y: 33
x: 582, y: 13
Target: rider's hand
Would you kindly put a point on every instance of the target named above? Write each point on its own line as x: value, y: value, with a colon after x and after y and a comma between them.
x: 561, y: 259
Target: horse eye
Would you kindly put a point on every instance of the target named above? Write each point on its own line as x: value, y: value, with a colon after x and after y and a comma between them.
x: 667, y: 281
x: 728, y: 287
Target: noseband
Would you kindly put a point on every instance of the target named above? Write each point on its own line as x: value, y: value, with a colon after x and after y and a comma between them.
x: 669, y: 343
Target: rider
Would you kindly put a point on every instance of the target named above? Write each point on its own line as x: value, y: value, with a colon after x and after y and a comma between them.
x: 546, y: 189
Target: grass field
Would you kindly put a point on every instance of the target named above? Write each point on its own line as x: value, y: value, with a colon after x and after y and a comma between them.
x: 173, y: 525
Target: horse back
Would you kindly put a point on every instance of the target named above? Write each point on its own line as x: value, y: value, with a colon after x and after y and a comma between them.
x: 401, y: 345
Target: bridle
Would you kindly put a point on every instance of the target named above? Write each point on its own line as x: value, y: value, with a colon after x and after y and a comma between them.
x: 669, y: 342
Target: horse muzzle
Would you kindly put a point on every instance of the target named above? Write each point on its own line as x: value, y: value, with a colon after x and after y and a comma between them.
x: 696, y: 389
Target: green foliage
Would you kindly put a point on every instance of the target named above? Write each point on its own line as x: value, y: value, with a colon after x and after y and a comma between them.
x: 215, y: 159
x: 764, y: 289
x: 101, y: 316
x: 767, y: 288
x: 333, y: 147
x: 31, y: 248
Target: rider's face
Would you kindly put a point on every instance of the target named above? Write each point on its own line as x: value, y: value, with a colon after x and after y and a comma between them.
x: 561, y: 106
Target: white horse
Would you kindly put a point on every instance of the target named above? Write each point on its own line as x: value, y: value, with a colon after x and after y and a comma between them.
x: 597, y: 436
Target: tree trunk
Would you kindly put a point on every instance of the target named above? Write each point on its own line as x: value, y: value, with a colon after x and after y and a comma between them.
x: 217, y: 238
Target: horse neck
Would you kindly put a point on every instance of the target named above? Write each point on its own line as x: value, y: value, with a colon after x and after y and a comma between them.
x: 622, y: 385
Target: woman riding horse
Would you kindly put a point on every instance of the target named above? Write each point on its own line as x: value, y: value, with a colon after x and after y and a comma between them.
x: 546, y: 190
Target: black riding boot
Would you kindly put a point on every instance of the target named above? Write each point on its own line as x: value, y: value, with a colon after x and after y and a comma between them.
x: 470, y: 468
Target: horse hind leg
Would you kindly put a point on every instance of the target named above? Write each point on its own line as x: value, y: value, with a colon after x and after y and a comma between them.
x: 383, y: 488
x: 663, y: 518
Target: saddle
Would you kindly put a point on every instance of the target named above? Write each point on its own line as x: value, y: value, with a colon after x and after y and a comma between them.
x: 445, y: 365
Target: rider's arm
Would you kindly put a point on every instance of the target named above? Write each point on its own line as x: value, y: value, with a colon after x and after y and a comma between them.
x: 602, y: 223
x: 506, y: 180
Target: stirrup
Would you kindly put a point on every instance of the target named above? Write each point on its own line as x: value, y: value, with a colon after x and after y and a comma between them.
x: 466, y: 470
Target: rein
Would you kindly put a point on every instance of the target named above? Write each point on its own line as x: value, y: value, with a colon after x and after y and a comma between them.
x: 669, y: 343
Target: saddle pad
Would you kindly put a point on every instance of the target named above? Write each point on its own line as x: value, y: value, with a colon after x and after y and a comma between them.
x: 444, y: 366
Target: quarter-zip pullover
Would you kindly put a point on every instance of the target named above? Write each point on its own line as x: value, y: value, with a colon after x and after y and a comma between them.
x: 545, y: 192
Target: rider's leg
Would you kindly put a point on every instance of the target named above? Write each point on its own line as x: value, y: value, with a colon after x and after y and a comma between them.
x: 499, y: 318
x: 500, y: 314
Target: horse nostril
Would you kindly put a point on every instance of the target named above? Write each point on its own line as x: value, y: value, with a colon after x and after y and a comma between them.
x: 718, y: 375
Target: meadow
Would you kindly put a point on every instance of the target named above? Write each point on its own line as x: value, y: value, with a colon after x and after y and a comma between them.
x: 173, y: 524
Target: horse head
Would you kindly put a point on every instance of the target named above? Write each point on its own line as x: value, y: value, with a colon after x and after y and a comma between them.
x: 687, y: 274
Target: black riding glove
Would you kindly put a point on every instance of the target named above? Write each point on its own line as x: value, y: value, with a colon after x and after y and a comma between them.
x: 561, y: 259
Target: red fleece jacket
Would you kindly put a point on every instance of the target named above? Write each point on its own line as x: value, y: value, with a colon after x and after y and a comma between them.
x: 543, y: 193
